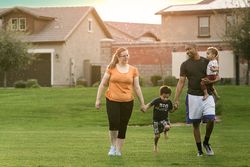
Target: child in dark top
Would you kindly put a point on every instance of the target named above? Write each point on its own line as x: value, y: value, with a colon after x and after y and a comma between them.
x: 162, y: 105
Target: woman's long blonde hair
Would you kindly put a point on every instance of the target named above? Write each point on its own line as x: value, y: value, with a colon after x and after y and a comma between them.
x: 114, y: 60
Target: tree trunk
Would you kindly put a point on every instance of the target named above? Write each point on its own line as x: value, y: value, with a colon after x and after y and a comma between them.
x: 248, y: 69
x: 237, y: 69
x: 4, y: 79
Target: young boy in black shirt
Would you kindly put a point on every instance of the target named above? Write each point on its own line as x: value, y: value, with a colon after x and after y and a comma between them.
x: 162, y: 105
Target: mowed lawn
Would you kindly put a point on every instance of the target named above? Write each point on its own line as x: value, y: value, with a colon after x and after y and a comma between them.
x: 59, y: 127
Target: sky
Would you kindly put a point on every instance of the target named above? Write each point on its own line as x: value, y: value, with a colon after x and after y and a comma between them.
x: 137, y: 11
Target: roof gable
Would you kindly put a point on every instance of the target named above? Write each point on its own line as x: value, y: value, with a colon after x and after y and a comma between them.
x: 64, y: 21
x: 205, y: 5
x: 26, y: 10
x: 128, y: 32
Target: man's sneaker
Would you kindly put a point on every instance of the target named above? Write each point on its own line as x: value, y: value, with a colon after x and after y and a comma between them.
x: 199, y: 154
x: 112, y: 151
x: 118, y: 153
x: 208, y: 149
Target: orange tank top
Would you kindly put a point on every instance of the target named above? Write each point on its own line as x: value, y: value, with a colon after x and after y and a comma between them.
x: 120, y: 87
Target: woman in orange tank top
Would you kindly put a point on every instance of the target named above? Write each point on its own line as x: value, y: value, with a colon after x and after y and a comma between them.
x: 121, y: 79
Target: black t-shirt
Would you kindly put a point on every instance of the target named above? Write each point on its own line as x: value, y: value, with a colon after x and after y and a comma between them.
x: 161, y: 109
x: 194, y: 70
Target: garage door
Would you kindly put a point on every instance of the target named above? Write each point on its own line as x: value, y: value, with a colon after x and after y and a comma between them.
x: 40, y: 69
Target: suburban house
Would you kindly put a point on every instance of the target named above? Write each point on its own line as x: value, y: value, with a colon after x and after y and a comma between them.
x: 205, y: 24
x: 66, y: 40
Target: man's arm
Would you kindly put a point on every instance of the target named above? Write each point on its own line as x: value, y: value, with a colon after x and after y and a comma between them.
x: 179, y: 88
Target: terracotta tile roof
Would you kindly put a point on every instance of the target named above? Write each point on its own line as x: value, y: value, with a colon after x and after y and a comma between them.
x: 205, y: 5
x: 129, y: 32
x: 63, y: 21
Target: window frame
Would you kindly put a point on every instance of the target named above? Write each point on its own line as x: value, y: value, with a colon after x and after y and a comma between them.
x: 18, y: 24
x: 200, y: 33
x: 25, y: 24
x: 231, y: 22
x: 90, y: 25
x: 12, y: 24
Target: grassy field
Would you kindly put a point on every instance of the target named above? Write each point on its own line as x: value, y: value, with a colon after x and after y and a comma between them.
x: 59, y: 127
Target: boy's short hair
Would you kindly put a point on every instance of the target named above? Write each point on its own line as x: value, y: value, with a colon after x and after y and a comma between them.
x: 165, y: 89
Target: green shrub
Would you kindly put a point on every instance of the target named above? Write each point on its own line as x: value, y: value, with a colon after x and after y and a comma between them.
x: 32, y: 83
x: 96, y: 84
x: 81, y: 82
x: 20, y: 84
x: 225, y: 81
x: 141, y: 81
x: 170, y: 81
x: 154, y: 79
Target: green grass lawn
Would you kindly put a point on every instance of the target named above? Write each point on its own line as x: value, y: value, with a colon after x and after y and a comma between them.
x: 59, y: 127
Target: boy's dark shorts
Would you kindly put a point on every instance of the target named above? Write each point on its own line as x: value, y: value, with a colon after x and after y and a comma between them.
x: 159, y: 126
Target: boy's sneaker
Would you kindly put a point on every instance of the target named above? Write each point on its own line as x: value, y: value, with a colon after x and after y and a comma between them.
x: 208, y: 149
x: 199, y: 154
x: 118, y: 153
x: 112, y: 151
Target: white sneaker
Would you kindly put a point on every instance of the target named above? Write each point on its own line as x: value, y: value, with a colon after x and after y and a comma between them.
x: 112, y: 151
x: 118, y: 153
x: 208, y: 149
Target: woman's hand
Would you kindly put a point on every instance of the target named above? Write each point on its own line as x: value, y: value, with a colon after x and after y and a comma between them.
x: 97, y: 104
x: 143, y: 108
x: 176, y: 105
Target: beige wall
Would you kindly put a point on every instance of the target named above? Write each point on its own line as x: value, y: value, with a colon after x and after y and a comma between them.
x: 81, y: 45
x: 184, y: 28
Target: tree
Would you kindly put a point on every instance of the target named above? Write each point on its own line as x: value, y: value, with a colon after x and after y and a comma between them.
x: 238, y: 36
x: 13, y: 53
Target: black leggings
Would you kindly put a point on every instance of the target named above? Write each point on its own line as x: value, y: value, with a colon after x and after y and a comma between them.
x: 118, y: 115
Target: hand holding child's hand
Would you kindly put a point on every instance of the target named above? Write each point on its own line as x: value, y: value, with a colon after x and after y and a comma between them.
x: 176, y: 106
x: 143, y: 108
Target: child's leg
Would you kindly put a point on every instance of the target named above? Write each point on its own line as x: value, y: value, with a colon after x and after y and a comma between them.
x: 204, y: 88
x: 215, y: 93
x: 156, y: 139
x: 157, y: 134
x: 205, y: 94
x: 166, y: 129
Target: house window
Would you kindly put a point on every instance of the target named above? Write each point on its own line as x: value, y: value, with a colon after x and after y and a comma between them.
x: 14, y: 24
x: 230, y: 21
x: 90, y: 25
x: 22, y: 24
x: 1, y: 23
x: 204, y: 26
x: 18, y: 24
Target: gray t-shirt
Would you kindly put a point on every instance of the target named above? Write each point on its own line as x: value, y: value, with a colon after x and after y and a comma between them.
x: 194, y: 70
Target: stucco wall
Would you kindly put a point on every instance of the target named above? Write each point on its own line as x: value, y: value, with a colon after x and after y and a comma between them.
x: 182, y: 28
x: 83, y: 45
